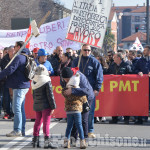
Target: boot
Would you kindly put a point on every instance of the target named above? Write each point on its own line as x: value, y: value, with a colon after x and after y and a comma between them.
x: 82, y: 144
x: 36, y: 141
x: 66, y: 143
x: 48, y: 143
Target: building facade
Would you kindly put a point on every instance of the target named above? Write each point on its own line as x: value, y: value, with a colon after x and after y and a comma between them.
x: 29, y: 9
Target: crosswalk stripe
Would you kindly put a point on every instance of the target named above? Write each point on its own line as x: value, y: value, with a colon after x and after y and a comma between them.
x: 26, y: 142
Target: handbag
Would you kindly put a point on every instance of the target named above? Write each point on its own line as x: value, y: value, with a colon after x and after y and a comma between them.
x: 86, y: 107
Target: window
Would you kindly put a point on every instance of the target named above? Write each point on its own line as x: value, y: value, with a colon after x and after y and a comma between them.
x: 137, y: 18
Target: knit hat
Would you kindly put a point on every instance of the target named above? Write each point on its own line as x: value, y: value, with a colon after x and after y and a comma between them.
x: 41, y: 77
x: 67, y: 72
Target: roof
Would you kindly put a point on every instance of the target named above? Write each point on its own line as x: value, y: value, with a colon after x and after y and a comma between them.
x: 119, y: 9
x: 112, y: 12
x: 140, y: 10
x: 121, y: 45
x: 140, y: 35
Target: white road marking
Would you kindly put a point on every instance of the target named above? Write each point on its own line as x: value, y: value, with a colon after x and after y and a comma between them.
x: 26, y: 142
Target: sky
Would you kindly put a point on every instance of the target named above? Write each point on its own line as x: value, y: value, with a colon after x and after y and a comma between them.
x: 69, y: 3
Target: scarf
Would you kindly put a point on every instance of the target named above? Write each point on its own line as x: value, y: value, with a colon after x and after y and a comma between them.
x: 39, y: 80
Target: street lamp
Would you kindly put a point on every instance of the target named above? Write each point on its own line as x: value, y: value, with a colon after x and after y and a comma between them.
x: 147, y: 20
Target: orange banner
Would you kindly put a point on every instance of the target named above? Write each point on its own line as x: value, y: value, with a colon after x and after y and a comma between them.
x: 120, y: 95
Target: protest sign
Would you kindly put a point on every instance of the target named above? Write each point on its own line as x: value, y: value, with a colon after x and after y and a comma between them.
x: 137, y: 45
x: 89, y: 21
x: 51, y: 35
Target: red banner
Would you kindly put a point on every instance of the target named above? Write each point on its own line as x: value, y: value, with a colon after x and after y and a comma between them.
x: 120, y: 95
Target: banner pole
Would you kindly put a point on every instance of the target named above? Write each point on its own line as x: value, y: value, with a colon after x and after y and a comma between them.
x: 79, y: 61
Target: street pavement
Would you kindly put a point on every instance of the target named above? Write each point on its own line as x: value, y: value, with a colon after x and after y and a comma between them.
x: 108, y: 136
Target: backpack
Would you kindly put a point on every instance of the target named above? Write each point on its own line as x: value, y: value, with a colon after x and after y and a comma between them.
x: 30, y: 67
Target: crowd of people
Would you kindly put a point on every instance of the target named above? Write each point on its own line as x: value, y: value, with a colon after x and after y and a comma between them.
x: 91, y: 68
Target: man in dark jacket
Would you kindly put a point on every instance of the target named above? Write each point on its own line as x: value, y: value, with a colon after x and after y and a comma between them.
x: 119, y: 67
x: 85, y: 89
x: 143, y: 67
x: 92, y: 69
x: 7, y: 101
x: 20, y: 84
x: 1, y: 89
x: 133, y: 58
x: 55, y: 60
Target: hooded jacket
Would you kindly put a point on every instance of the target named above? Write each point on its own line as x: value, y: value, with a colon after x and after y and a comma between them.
x: 15, y: 72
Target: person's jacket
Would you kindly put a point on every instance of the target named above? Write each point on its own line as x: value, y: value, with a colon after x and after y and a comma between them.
x: 92, y: 69
x: 143, y: 66
x: 43, y: 97
x: 15, y: 72
x: 134, y: 62
x: 55, y: 62
x: 5, y: 60
x: 48, y: 65
x: 123, y: 68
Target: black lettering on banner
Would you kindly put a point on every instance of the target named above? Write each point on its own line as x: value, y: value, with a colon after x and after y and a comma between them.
x: 76, y: 11
x: 75, y: 18
x: 103, y: 19
x: 75, y: 4
x: 100, y: 1
x: 86, y: 7
x: 81, y: 5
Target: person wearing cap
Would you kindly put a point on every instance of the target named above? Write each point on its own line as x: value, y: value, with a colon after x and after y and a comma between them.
x: 42, y: 59
x: 84, y: 89
x: 35, y: 53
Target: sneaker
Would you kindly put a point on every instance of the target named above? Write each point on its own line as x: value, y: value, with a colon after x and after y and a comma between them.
x: 82, y: 144
x: 96, y: 119
x: 91, y: 135
x: 103, y: 119
x: 66, y: 143
x: 14, y: 134
x: 6, y: 117
x: 23, y: 134
x: 73, y: 142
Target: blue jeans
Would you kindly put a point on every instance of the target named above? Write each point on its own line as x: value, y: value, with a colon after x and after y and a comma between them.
x: 18, y: 109
x: 91, y: 117
x: 71, y: 118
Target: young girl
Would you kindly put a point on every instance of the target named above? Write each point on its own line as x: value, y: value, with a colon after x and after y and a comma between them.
x: 44, y: 105
x: 73, y: 108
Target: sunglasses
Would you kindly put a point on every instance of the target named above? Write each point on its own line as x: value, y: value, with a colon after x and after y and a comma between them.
x: 87, y: 50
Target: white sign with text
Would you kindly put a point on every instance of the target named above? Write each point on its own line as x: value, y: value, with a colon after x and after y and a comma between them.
x: 88, y: 21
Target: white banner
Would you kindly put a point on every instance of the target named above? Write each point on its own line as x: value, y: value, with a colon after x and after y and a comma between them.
x: 51, y: 35
x: 89, y: 21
